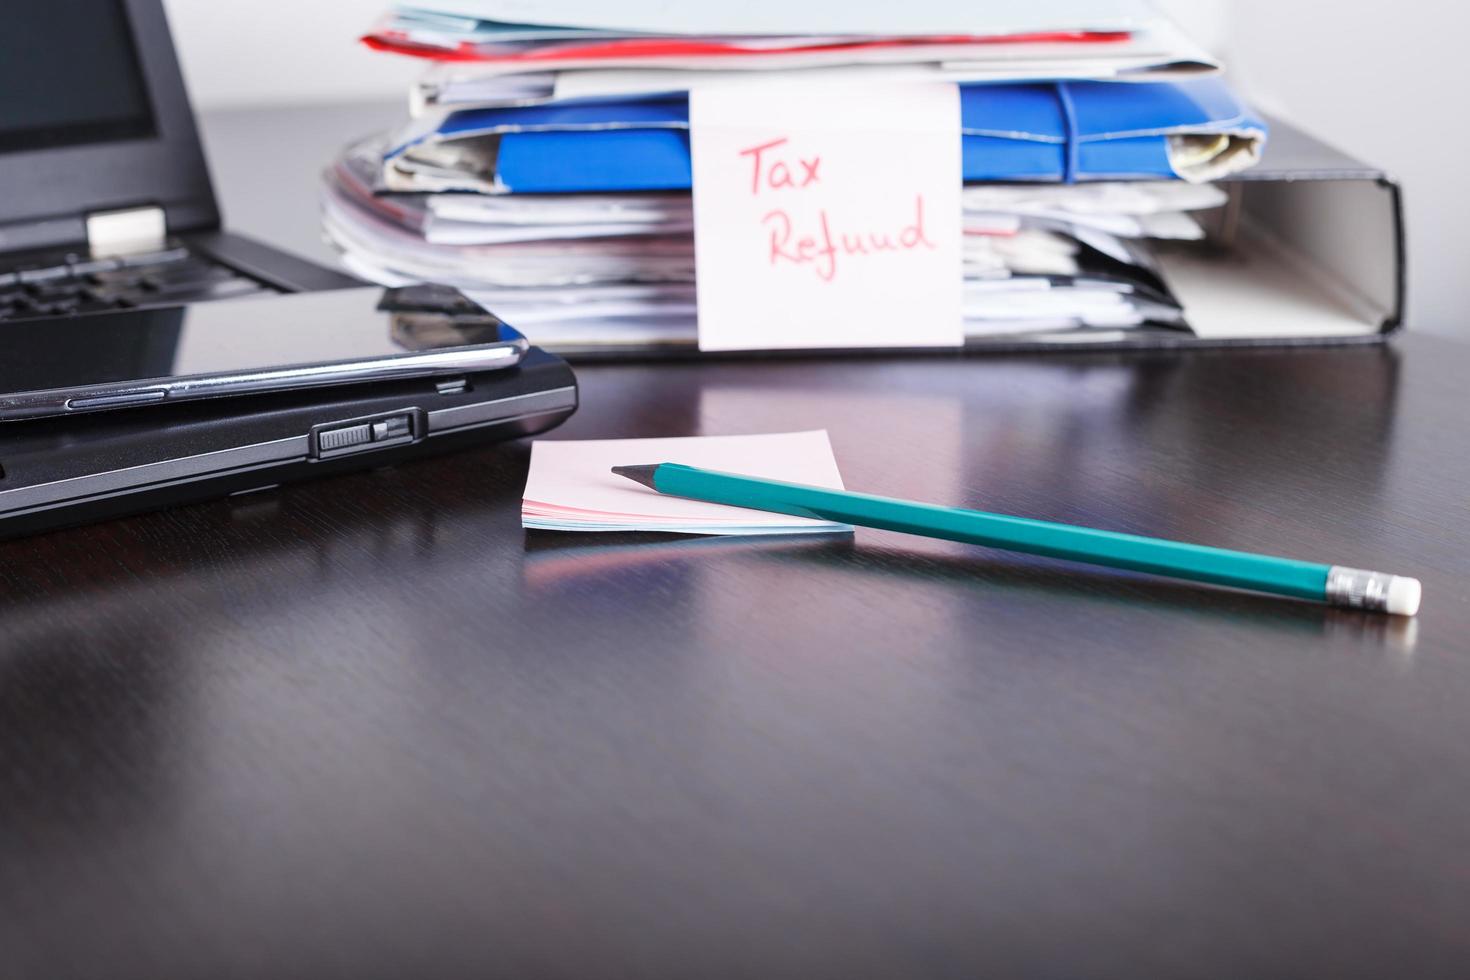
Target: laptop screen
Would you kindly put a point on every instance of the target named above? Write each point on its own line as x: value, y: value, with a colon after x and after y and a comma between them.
x: 69, y: 74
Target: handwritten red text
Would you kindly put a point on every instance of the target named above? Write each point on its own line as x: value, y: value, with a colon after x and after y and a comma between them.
x: 822, y: 248
x: 776, y: 174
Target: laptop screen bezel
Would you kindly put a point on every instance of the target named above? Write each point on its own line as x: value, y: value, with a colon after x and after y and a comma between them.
x: 49, y: 192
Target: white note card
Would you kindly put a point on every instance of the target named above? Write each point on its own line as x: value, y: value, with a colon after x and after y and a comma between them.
x: 571, y: 486
x: 827, y: 216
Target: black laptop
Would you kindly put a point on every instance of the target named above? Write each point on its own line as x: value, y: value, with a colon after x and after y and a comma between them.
x: 107, y: 218
x: 105, y: 199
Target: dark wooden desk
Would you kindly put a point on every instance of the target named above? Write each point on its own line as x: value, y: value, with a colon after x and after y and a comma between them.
x: 371, y: 728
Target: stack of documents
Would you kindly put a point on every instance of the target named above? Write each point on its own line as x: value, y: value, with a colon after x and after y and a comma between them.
x: 547, y: 168
x: 617, y: 48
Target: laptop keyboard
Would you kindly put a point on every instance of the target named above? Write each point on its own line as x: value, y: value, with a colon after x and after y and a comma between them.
x: 77, y: 284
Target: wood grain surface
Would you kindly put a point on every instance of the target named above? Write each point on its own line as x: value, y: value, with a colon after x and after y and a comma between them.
x: 369, y: 727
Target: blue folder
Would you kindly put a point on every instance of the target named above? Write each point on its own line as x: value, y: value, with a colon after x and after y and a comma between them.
x: 1048, y: 131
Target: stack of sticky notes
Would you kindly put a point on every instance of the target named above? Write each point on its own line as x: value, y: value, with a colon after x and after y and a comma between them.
x: 571, y: 486
x: 547, y: 170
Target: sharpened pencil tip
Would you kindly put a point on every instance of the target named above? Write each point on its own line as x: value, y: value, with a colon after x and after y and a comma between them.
x: 638, y: 474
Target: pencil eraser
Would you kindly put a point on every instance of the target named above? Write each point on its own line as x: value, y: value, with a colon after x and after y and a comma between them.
x: 1403, y: 595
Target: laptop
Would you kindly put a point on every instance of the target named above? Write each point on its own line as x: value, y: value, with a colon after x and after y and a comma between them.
x: 107, y: 218
x: 105, y: 197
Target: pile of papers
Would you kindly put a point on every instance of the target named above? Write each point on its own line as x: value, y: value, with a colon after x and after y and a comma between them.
x: 580, y: 48
x: 546, y: 170
x: 571, y: 486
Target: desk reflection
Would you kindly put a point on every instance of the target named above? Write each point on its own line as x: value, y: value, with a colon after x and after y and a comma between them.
x: 379, y: 578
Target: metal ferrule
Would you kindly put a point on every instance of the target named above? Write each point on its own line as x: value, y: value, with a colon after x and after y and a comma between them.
x: 1357, y: 589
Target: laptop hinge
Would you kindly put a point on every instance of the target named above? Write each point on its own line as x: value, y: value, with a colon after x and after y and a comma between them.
x: 127, y: 230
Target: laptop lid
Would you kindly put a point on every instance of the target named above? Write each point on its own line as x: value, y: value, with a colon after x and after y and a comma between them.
x: 94, y: 118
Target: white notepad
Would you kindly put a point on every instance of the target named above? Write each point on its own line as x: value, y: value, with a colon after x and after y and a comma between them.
x: 571, y: 486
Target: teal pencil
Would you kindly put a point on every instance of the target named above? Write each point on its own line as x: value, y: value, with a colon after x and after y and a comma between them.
x: 1333, y: 584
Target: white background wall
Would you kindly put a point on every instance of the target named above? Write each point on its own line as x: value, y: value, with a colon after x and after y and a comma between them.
x: 1383, y: 81
x: 1386, y: 82
x: 265, y: 52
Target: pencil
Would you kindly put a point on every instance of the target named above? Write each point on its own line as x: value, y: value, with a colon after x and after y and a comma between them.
x: 1333, y: 584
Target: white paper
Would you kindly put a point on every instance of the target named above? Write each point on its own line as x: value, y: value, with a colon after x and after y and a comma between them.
x: 775, y: 17
x: 1261, y: 289
x: 442, y: 231
x: 570, y: 262
x: 571, y: 485
x: 1159, y: 53
x: 827, y: 216
x: 540, y: 209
